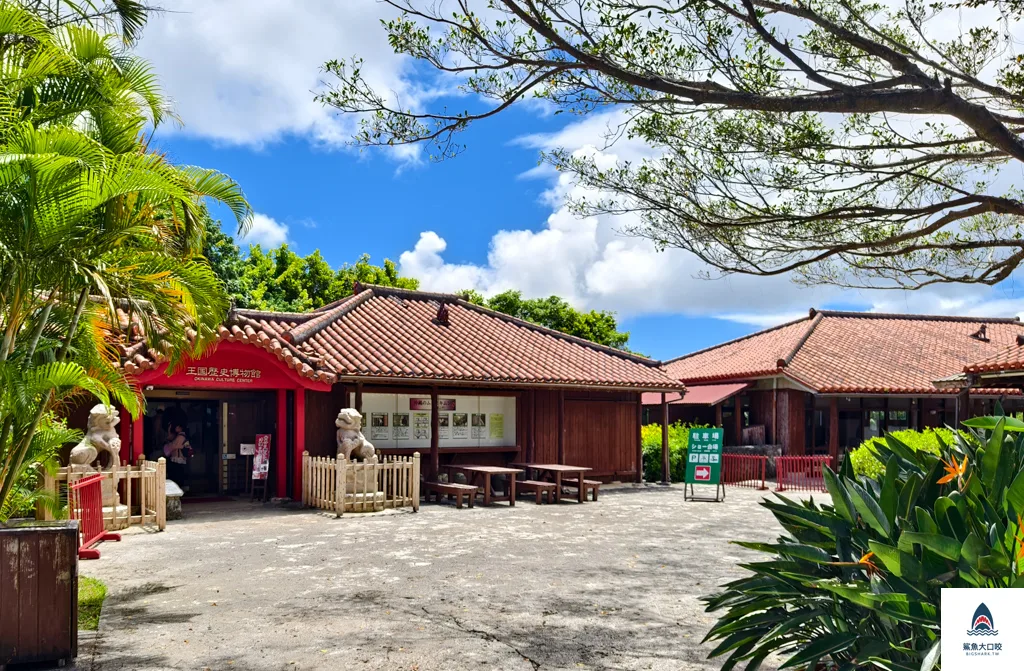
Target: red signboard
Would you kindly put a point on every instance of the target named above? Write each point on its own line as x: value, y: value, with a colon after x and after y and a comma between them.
x: 443, y: 404
x: 702, y: 473
x: 261, y: 457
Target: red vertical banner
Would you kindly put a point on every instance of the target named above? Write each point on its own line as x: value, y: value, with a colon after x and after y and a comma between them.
x: 280, y: 454
x: 261, y: 457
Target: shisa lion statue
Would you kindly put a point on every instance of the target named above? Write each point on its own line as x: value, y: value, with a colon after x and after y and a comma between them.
x: 352, y: 444
x: 100, y: 449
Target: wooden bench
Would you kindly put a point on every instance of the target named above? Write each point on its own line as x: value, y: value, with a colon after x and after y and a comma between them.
x: 588, y: 485
x: 452, y: 489
x: 539, y: 488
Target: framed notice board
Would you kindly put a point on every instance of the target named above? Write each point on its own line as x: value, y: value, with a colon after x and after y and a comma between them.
x: 704, y: 464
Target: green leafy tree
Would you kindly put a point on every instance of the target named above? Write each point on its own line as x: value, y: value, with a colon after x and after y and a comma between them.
x: 555, y: 313
x: 279, y: 279
x: 848, y: 142
x: 92, y: 224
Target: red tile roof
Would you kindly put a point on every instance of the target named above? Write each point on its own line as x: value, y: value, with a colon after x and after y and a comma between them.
x: 699, y: 394
x: 855, y: 352
x: 388, y: 333
x: 1011, y: 358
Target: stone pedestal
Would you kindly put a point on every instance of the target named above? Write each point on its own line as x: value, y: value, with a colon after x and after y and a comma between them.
x: 174, y: 494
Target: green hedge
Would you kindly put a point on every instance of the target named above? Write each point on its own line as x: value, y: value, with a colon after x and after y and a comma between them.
x: 865, y: 463
x: 678, y: 439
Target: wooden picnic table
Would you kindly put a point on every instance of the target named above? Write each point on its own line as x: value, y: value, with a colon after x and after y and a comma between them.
x: 481, y: 476
x: 556, y: 472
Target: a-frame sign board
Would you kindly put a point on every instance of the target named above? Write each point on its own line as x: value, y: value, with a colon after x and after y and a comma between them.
x: 704, y: 464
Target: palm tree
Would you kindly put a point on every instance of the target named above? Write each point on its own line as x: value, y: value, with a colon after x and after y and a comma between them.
x: 91, y: 220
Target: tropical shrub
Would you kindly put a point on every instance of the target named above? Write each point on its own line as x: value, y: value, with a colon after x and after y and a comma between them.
x: 678, y: 440
x: 856, y: 583
x: 866, y: 463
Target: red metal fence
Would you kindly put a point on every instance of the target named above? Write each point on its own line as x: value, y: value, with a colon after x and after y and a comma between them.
x: 744, y: 470
x: 800, y: 473
x: 85, y: 502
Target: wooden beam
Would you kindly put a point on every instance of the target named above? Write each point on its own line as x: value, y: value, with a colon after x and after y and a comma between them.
x: 435, y: 423
x: 561, y: 426
x: 666, y: 477
x: 639, y: 438
x: 718, y: 415
x: 833, y: 430
x: 738, y: 419
x: 963, y: 405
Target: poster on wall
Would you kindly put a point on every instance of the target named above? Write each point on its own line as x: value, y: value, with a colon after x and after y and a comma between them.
x: 400, y: 422
x: 479, y: 422
x: 460, y: 426
x: 444, y: 431
x: 261, y: 457
x: 497, y: 422
x: 379, y: 426
x: 421, y: 425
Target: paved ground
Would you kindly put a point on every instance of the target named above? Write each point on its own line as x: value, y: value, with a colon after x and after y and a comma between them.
x: 611, y: 585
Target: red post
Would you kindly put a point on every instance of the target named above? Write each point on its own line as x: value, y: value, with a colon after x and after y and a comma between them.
x: 125, y: 434
x: 280, y: 444
x: 138, y: 439
x: 300, y: 442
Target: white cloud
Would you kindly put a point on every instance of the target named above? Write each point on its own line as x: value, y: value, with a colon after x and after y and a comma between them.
x: 264, y: 231
x: 245, y: 71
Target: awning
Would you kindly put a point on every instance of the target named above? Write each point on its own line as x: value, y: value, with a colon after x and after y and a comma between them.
x: 700, y: 394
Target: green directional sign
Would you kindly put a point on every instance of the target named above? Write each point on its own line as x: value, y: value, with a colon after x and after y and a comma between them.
x: 704, y: 457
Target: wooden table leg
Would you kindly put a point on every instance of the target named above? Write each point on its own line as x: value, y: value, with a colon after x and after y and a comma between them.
x: 558, y: 487
x: 512, y: 489
x: 487, y: 489
x: 583, y: 489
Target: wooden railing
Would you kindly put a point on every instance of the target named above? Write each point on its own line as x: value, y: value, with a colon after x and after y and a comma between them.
x: 142, y: 490
x: 341, y: 486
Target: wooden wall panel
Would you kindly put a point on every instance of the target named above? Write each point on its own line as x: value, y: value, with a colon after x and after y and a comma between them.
x: 761, y: 412
x: 546, y: 427
x: 321, y: 411
x: 602, y: 435
x: 792, y: 410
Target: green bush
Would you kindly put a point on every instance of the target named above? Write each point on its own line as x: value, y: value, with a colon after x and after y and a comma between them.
x: 865, y: 463
x: 678, y: 440
x: 856, y: 583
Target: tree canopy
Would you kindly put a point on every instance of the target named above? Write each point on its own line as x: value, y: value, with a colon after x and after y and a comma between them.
x: 849, y: 142
x: 555, y: 313
x: 279, y: 279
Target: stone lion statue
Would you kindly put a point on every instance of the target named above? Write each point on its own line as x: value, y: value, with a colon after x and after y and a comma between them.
x: 352, y: 444
x: 101, y: 446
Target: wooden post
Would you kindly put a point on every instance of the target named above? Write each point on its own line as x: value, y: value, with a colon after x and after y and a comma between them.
x: 640, y: 437
x: 963, y: 405
x: 280, y: 445
x: 562, y: 427
x: 666, y: 477
x: 737, y: 419
x: 415, y: 481
x: 718, y: 415
x: 359, y: 397
x: 915, y: 414
x: 339, y: 485
x: 531, y: 453
x: 435, y: 422
x: 161, y: 498
x: 833, y: 431
x: 299, y: 442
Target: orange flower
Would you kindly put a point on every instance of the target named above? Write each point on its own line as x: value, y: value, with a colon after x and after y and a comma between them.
x: 1020, y: 540
x: 954, y: 470
x: 871, y: 567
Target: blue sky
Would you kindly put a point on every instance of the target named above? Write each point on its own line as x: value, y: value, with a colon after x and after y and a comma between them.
x: 242, y: 75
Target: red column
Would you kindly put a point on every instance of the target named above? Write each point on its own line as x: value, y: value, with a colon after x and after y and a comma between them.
x: 125, y: 434
x: 300, y: 442
x: 138, y: 444
x: 280, y: 444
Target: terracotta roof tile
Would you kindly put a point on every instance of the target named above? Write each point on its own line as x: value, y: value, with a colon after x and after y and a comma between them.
x: 1008, y: 359
x: 395, y: 333
x: 853, y: 352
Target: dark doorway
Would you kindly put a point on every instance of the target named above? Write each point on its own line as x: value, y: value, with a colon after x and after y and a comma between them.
x: 200, y: 420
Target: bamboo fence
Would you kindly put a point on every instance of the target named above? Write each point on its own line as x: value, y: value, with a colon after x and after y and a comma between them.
x: 142, y: 490
x: 341, y: 486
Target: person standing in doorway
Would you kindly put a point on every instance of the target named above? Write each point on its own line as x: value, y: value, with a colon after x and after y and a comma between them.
x: 177, y: 449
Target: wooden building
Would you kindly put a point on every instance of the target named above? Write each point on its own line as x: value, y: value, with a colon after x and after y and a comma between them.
x: 827, y: 382
x: 430, y: 373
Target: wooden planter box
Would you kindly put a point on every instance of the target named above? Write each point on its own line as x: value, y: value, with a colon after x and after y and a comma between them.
x: 38, y: 592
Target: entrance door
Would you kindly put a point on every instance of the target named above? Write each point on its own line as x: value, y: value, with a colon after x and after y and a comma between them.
x: 201, y: 423
x: 243, y: 420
